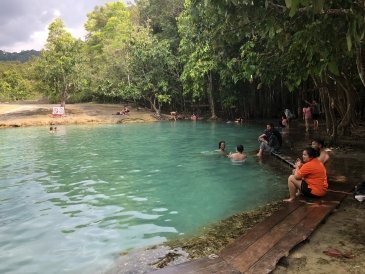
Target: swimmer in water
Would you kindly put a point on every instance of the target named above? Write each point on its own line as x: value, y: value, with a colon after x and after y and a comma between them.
x: 239, y: 155
x: 222, y: 147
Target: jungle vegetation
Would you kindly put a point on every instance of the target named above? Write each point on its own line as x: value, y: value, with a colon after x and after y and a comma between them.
x: 228, y: 58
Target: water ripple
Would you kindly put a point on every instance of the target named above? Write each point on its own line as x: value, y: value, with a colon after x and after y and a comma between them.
x: 79, y: 198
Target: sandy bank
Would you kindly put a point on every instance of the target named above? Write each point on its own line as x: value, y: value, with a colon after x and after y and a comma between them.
x: 19, y: 115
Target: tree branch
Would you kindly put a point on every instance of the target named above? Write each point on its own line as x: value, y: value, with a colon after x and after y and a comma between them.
x: 277, y: 7
x: 302, y: 10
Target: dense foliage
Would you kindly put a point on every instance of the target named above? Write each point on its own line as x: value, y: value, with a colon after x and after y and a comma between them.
x: 22, y: 56
x: 228, y: 58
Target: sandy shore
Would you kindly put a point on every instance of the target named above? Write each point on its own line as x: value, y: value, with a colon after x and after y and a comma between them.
x: 344, y: 229
x: 18, y: 115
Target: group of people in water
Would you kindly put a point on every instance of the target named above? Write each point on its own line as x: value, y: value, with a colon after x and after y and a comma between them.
x: 309, y: 176
x: 239, y: 155
x: 175, y: 116
x: 52, y: 129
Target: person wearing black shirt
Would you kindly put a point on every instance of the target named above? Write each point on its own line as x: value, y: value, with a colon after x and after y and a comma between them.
x: 270, y: 140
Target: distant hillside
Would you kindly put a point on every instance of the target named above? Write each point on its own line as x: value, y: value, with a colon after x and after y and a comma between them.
x: 22, y: 56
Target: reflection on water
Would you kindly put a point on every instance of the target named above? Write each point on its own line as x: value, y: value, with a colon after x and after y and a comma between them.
x: 73, y: 200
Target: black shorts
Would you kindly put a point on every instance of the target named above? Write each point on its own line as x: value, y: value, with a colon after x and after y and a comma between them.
x: 306, y: 191
x: 315, y: 116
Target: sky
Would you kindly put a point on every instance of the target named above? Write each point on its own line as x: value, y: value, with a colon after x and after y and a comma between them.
x: 24, y: 23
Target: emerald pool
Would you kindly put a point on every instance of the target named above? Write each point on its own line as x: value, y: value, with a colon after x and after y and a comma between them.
x: 71, y: 201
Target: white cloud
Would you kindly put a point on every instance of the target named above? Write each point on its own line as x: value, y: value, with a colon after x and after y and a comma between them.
x: 36, y: 41
x: 78, y: 32
x: 56, y: 13
x: 24, y: 24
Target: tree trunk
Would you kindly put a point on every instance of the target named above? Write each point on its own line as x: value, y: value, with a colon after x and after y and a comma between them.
x: 326, y: 106
x: 153, y: 105
x: 333, y: 118
x: 359, y: 64
x: 344, y: 127
x: 64, y: 96
x: 299, y: 103
x: 210, y: 96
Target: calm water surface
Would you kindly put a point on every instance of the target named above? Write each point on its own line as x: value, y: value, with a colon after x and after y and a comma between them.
x: 70, y: 202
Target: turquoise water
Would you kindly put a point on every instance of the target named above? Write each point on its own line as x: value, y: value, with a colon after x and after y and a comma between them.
x: 70, y: 202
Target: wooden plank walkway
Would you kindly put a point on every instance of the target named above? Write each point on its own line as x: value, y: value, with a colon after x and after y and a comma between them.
x: 285, y: 159
x: 259, y: 250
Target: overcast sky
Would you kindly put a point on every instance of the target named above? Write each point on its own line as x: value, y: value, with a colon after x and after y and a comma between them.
x: 24, y: 23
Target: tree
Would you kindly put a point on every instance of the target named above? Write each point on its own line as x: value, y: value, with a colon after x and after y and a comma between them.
x: 277, y: 45
x: 57, y: 66
x: 198, y: 57
x: 162, y: 19
x: 152, y: 68
x: 15, y: 81
x: 107, y: 49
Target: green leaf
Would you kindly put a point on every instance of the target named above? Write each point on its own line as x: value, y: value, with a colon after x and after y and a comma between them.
x: 288, y: 3
x: 361, y: 36
x: 349, y: 41
x: 294, y: 7
x: 318, y: 5
x: 333, y: 68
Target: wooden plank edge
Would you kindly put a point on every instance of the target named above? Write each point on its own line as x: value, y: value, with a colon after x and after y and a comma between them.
x: 268, y: 262
x: 248, y: 257
x: 200, y: 266
x: 282, y: 158
x: 258, y: 230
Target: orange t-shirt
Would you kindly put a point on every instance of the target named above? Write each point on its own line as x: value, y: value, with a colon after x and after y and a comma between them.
x: 314, y: 173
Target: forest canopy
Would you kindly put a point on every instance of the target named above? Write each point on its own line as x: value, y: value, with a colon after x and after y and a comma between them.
x: 228, y: 58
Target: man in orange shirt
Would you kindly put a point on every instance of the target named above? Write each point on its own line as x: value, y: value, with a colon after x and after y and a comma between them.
x: 309, y: 178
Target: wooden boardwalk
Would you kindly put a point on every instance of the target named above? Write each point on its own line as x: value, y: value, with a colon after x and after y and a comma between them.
x: 260, y: 249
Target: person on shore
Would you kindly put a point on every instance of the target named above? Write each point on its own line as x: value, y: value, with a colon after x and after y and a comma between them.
x: 239, y: 155
x: 222, y: 147
x: 309, y: 177
x: 289, y: 115
x: 284, y: 123
x: 307, y: 115
x: 270, y: 141
x: 123, y: 111
x: 174, y: 115
x: 322, y: 155
x: 315, y: 111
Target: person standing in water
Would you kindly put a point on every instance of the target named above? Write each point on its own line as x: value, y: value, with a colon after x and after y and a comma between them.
x: 239, y: 155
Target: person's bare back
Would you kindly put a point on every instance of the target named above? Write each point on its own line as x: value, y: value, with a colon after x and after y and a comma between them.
x: 239, y: 155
